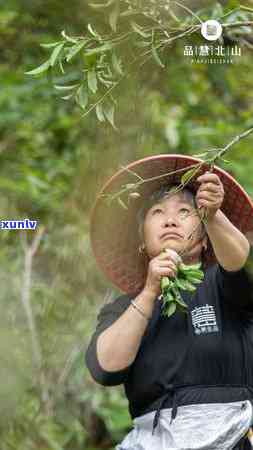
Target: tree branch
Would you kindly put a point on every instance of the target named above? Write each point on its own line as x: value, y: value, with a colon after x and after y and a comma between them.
x: 29, y: 253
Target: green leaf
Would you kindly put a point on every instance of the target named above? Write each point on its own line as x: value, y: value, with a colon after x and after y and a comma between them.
x: 165, y: 282
x: 102, y: 5
x: 61, y: 66
x: 121, y: 203
x: 168, y: 296
x: 67, y: 97
x: 52, y: 44
x: 189, y: 268
x: 66, y: 88
x: 90, y: 60
x: 107, y: 83
x: 109, y: 114
x: 195, y: 273
x: 231, y: 4
x: 114, y: 15
x: 199, y: 155
x: 171, y: 308
x: 194, y: 280
x: 182, y: 308
x: 100, y: 112
x: 43, y: 68
x: 173, y: 15
x: 101, y: 49
x: 92, y: 80
x: 93, y: 32
x: 217, y: 11
x: 139, y: 30
x: 156, y: 57
x: 141, y: 44
x: 35, y: 181
x: 187, y: 175
x: 196, y: 266
x: 56, y: 53
x: 75, y: 49
x: 181, y: 302
x: 82, y: 96
x: 180, y: 284
x: 116, y: 64
x: 130, y: 185
x: 175, y: 290
x: 190, y: 286
x: 68, y: 38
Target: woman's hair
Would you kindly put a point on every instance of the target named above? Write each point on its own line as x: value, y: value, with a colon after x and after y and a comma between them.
x: 159, y: 194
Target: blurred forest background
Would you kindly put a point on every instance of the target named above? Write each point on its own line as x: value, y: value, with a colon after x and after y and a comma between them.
x: 53, y: 161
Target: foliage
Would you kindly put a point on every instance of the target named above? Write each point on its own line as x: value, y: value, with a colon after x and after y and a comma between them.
x: 99, y: 66
x: 186, y: 278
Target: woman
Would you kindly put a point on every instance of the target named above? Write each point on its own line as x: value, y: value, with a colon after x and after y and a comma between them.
x: 188, y: 378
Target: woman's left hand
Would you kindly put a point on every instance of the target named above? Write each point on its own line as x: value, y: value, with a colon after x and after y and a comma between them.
x: 210, y: 193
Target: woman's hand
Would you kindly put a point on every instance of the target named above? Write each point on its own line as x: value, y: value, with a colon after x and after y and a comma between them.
x: 210, y: 193
x: 163, y: 265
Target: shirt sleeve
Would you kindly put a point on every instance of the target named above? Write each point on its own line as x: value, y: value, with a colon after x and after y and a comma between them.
x: 107, y: 315
x: 236, y: 289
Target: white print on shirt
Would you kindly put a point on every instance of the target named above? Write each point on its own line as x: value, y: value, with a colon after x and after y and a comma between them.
x: 204, y: 319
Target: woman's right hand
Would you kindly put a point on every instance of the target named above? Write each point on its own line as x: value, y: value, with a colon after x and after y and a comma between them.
x: 163, y: 265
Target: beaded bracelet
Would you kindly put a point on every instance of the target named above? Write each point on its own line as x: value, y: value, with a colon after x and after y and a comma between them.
x: 140, y: 310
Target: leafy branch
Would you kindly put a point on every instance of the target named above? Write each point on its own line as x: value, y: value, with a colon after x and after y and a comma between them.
x: 99, y: 58
x: 186, y: 278
x: 189, y: 275
x: 210, y: 157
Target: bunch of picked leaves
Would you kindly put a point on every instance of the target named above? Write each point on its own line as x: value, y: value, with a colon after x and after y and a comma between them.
x: 187, y: 277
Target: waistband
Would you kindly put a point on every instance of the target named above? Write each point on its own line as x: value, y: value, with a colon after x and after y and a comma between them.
x: 179, y: 395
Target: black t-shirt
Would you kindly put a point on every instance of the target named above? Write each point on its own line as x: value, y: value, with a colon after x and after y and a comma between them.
x: 211, y: 345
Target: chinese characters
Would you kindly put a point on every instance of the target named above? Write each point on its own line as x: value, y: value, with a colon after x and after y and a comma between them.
x: 205, y: 53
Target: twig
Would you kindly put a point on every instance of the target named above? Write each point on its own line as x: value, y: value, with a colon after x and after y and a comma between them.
x: 246, y: 8
x: 188, y: 10
x: 172, y: 14
x: 30, y: 252
x: 237, y: 24
x: 211, y: 161
x: 25, y: 294
x: 168, y: 41
x: 230, y: 12
x: 77, y: 349
x: 202, y: 211
x: 132, y: 172
x: 246, y: 43
x: 234, y: 141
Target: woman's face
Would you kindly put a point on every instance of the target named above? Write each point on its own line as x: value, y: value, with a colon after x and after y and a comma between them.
x: 169, y: 223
